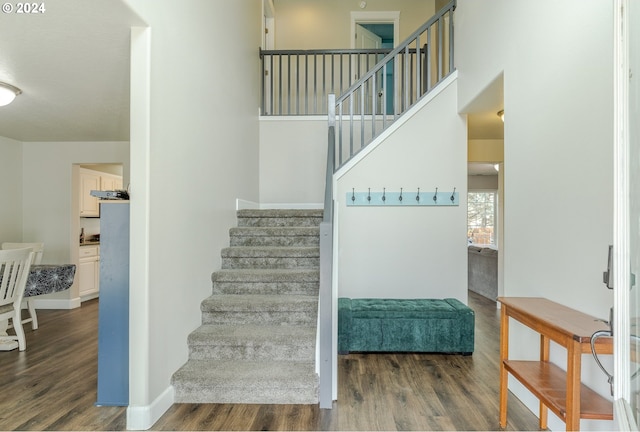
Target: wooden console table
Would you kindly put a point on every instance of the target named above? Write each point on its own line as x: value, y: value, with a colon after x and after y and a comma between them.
x: 560, y: 391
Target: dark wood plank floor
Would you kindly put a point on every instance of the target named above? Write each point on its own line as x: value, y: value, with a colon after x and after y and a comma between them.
x: 52, y: 386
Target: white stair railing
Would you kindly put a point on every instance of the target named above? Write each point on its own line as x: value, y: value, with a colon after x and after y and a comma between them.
x: 393, y: 85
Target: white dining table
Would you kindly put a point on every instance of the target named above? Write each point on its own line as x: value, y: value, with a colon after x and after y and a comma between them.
x: 43, y: 279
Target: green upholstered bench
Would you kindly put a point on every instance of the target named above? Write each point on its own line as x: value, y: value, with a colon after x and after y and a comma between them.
x: 409, y: 325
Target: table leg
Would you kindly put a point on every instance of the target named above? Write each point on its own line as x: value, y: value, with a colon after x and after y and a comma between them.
x: 504, y: 354
x: 573, y: 386
x: 544, y: 357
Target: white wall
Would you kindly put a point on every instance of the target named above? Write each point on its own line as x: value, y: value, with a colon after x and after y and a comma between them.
x: 10, y: 190
x: 195, y: 139
x: 304, y: 24
x: 293, y: 159
x: 408, y: 252
x: 558, y: 132
x: 48, y: 193
x: 482, y: 182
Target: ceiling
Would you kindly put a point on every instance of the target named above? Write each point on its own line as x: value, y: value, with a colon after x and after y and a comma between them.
x: 72, y: 64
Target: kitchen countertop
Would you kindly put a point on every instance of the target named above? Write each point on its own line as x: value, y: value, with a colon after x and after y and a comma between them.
x: 90, y: 243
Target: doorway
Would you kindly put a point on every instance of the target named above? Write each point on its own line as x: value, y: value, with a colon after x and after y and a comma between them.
x: 85, y: 221
x: 371, y: 30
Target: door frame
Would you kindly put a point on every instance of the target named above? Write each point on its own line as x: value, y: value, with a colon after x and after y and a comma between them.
x: 623, y: 416
x: 378, y: 17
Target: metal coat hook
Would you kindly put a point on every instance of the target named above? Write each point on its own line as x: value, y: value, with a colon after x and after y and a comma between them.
x: 389, y: 199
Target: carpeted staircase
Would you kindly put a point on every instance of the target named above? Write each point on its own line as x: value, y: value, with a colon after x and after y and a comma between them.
x: 257, y: 341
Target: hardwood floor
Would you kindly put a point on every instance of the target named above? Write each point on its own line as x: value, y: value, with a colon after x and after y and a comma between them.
x: 52, y: 386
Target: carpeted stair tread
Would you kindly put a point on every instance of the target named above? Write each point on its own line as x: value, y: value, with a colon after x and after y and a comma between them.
x: 258, y: 302
x: 274, y: 231
x: 249, y: 382
x: 266, y: 275
x: 279, y: 218
x: 248, y: 257
x: 253, y: 342
x: 257, y: 341
x: 274, y: 236
x: 267, y: 281
x: 270, y: 251
x: 223, y: 334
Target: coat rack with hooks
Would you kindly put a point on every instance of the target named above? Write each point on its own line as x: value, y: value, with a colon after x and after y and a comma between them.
x: 402, y: 198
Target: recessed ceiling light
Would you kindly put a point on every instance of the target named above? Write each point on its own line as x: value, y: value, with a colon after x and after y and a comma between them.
x: 8, y: 93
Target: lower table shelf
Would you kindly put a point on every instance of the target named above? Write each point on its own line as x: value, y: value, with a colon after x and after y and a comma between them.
x: 548, y: 383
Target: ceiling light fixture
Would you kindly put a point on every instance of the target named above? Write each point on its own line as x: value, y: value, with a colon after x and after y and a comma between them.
x: 501, y: 115
x: 8, y: 93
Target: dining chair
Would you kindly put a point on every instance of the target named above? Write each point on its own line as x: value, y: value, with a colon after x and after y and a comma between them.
x: 14, y: 271
x: 38, y: 249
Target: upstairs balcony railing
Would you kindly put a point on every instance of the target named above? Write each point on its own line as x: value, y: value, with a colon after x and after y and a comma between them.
x: 297, y: 82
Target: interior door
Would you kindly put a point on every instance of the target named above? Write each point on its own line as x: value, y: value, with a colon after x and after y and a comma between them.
x: 366, y: 39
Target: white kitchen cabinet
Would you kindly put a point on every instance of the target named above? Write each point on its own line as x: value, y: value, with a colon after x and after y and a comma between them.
x: 95, y: 180
x: 110, y: 182
x: 89, y: 271
x: 89, y: 180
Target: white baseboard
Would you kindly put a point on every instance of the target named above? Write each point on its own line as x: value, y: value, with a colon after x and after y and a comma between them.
x: 57, y: 303
x: 289, y: 206
x: 251, y: 205
x: 144, y: 417
x: 246, y: 205
x: 91, y: 296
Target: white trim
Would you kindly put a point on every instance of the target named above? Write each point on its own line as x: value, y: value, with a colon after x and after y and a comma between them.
x: 623, y: 417
x: 397, y: 124
x: 378, y: 17
x: 144, y: 417
x: 139, y: 293
x: 57, y: 303
x: 335, y: 292
x: 621, y: 232
x: 270, y: 37
x: 252, y: 205
x: 269, y: 10
x: 321, y: 117
x: 282, y: 206
x: 246, y: 205
x: 93, y: 295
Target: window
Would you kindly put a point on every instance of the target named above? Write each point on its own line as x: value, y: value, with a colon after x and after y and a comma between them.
x: 481, y: 217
